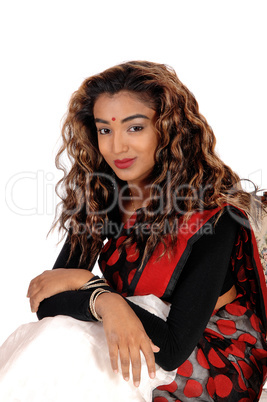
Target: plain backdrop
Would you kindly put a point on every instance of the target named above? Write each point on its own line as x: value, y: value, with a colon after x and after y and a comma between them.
x: 218, y: 49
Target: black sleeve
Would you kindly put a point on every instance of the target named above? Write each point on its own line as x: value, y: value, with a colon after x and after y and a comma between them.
x: 193, y: 300
x: 72, y: 303
x: 62, y: 259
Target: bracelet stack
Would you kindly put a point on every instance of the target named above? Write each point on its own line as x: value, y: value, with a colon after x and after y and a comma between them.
x: 94, y: 296
x: 101, y: 286
x: 94, y: 283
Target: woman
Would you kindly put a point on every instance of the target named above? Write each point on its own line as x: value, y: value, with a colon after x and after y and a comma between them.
x: 144, y: 175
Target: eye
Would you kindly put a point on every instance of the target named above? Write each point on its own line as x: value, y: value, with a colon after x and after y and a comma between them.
x: 134, y: 129
x: 104, y: 131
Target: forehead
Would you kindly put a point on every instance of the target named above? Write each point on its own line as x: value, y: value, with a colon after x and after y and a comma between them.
x: 122, y: 103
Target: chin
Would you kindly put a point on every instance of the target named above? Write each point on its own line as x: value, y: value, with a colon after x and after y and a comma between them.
x: 125, y: 177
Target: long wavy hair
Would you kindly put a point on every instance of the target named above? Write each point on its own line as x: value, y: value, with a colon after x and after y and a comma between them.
x: 186, y: 164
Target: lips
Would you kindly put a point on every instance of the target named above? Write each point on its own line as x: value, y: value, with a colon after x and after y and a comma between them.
x: 124, y: 163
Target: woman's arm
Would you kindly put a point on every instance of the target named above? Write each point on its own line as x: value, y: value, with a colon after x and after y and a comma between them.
x: 124, y: 330
x: 194, y: 297
x: 60, y: 279
x: 125, y: 336
x: 193, y: 300
x: 50, y: 283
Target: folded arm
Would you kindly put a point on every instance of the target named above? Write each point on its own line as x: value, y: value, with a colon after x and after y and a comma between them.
x: 193, y: 299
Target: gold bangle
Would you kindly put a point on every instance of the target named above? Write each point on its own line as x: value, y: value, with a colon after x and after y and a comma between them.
x: 92, y: 301
x: 93, y: 284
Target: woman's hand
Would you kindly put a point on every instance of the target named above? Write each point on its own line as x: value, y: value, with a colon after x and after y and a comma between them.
x: 126, y: 336
x: 55, y: 281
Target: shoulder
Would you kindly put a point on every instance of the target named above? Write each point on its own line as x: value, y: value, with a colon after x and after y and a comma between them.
x: 229, y: 219
x: 211, y: 221
x: 217, y: 237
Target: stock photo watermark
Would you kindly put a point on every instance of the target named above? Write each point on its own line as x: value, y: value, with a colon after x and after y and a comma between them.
x: 33, y: 193
x: 40, y: 199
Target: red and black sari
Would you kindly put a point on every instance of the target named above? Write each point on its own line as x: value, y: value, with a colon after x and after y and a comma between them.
x: 229, y: 363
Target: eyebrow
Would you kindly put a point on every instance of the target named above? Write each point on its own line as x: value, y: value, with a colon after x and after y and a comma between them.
x: 134, y: 116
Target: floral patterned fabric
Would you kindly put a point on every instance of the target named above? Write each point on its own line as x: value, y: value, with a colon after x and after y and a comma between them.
x: 261, y: 237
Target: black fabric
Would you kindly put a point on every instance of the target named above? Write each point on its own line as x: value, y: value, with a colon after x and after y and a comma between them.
x: 61, y: 261
x: 205, y: 276
x: 194, y: 298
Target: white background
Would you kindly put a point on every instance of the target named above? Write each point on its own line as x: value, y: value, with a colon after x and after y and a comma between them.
x: 218, y: 49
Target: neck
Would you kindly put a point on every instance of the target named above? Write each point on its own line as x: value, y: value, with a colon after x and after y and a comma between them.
x: 139, y: 195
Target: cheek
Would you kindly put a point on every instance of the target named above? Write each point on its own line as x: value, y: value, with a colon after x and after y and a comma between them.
x: 149, y: 154
x: 102, y: 146
x: 151, y: 148
x: 148, y: 145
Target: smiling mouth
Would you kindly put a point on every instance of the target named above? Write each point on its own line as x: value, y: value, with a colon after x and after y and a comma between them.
x: 124, y: 163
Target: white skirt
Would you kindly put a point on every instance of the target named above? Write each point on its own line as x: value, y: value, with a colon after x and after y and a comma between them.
x: 61, y: 359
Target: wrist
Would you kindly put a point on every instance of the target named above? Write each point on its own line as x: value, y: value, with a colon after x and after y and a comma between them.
x: 104, y: 303
x: 94, y: 282
x: 78, y: 277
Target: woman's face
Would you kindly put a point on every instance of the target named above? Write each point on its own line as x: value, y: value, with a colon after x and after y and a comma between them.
x: 127, y: 138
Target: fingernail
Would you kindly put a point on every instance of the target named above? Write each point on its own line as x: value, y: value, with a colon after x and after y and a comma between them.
x: 152, y: 375
x: 126, y: 378
x: 136, y: 383
x: 115, y: 371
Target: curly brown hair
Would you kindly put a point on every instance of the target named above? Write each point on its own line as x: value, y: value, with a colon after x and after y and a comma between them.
x: 185, y: 160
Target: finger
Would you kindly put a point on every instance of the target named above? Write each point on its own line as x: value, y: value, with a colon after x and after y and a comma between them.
x: 155, y: 348
x: 37, y: 290
x: 36, y: 283
x: 34, y: 305
x: 33, y: 287
x: 136, y: 365
x: 32, y: 291
x: 113, y: 355
x: 125, y: 362
x: 150, y: 359
x: 35, y: 301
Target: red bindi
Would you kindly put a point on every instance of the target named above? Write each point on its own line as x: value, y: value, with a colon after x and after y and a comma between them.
x: 113, y: 119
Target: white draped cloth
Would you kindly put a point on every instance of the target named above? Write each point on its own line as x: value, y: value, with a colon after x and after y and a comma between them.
x: 61, y: 359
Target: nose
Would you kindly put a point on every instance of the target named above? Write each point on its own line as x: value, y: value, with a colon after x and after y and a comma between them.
x: 119, y: 142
